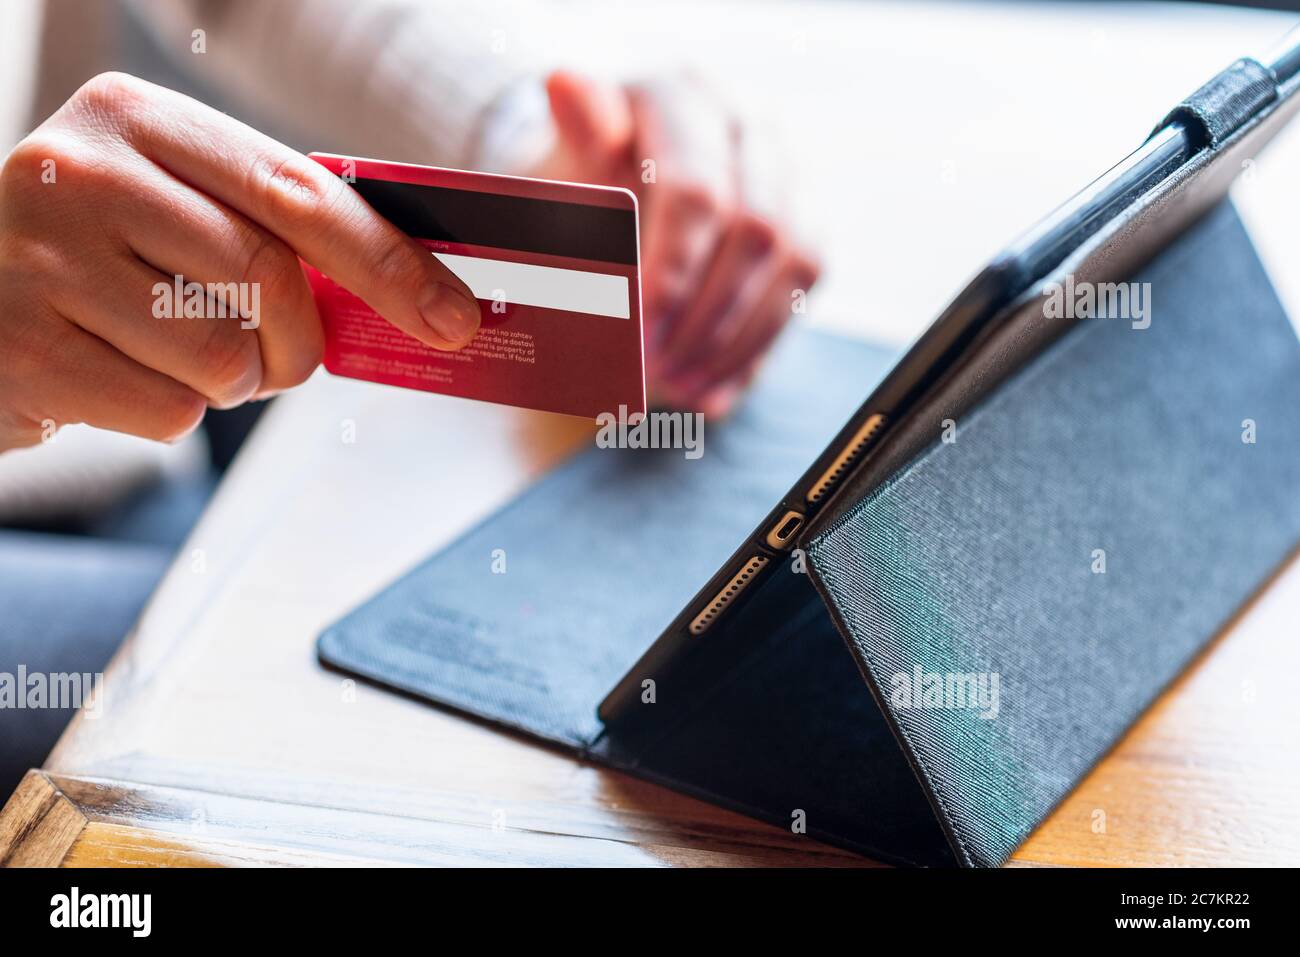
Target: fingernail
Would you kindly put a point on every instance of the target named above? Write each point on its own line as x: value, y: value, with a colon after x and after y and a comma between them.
x: 451, y: 315
x: 760, y: 244
x: 720, y: 403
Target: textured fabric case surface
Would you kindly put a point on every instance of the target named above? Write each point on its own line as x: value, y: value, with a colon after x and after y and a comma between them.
x: 979, y: 557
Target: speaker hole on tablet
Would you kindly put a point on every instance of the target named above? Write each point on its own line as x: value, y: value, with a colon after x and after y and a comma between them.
x: 849, y: 455
x: 727, y: 594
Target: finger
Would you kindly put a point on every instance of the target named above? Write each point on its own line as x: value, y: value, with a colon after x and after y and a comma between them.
x: 722, y: 401
x: 180, y: 231
x: 761, y: 308
x: 315, y: 214
x: 686, y: 144
x: 133, y: 308
x: 681, y: 232
x: 715, y: 402
x: 75, y: 377
x: 590, y: 117
x: 687, y: 133
x: 737, y: 276
x: 760, y: 312
x: 738, y: 361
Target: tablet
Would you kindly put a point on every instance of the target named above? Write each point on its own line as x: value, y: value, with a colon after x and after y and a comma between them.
x: 996, y: 324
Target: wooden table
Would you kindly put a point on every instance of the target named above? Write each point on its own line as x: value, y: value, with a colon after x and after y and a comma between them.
x: 223, y: 741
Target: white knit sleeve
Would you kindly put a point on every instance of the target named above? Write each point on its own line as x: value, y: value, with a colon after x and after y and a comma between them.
x: 409, y: 80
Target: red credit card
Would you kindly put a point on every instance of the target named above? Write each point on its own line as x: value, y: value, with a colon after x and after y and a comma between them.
x: 554, y: 267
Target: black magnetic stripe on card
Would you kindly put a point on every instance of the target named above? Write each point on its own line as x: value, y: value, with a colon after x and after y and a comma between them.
x: 599, y: 233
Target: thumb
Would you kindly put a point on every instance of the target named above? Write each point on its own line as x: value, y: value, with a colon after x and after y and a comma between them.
x: 591, y: 118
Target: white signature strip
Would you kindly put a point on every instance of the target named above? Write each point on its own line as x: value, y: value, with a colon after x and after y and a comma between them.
x: 594, y: 293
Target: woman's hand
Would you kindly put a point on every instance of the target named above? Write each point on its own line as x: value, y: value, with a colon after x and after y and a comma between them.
x: 720, y: 270
x: 129, y: 186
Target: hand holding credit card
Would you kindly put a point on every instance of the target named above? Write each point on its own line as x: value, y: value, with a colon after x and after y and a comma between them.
x: 554, y: 267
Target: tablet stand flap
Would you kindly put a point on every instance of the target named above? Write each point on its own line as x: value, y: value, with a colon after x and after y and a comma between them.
x: 1020, y: 593
x: 784, y: 729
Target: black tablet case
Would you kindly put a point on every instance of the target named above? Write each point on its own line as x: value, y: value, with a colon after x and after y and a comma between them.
x: 978, y: 557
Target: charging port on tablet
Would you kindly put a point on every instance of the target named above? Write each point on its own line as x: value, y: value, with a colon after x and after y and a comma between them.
x: 783, y: 532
